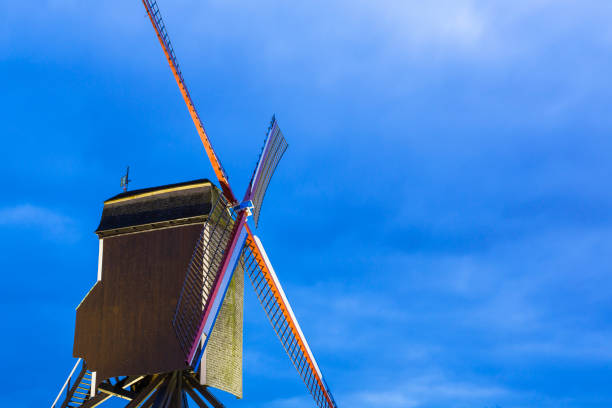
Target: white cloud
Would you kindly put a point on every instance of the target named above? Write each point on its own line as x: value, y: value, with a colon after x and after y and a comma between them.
x: 409, y: 392
x: 53, y: 224
x: 422, y: 391
x: 385, y: 398
x: 588, y: 345
x: 274, y: 29
x: 455, y: 23
x: 292, y: 402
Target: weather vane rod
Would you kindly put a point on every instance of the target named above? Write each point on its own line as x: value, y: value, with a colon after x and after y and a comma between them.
x: 125, y: 179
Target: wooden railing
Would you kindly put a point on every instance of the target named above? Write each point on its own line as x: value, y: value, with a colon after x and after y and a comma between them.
x: 66, y: 386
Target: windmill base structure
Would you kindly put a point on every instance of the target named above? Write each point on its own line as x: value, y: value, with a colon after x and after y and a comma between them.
x: 164, y: 320
x: 171, y: 390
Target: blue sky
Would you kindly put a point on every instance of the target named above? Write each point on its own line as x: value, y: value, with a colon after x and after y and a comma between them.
x: 441, y: 222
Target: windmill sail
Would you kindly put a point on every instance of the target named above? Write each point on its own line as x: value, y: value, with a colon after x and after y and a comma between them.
x: 207, y: 278
x: 271, y: 153
x: 195, y: 313
x: 208, y: 316
x: 164, y: 40
x: 272, y: 298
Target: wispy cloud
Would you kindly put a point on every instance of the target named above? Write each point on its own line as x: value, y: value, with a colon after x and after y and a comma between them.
x: 411, y: 392
x: 444, y: 221
x: 291, y: 402
x: 503, y: 307
x: 52, y: 224
x: 426, y: 390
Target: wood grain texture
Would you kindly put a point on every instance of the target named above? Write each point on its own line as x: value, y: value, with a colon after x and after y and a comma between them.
x: 124, y: 325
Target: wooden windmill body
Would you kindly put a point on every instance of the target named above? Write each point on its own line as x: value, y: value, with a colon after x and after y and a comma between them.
x: 123, y: 325
x: 163, y: 322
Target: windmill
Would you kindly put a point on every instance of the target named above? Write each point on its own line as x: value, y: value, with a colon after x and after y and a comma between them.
x: 154, y: 328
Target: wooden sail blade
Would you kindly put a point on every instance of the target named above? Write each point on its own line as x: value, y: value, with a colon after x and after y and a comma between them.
x: 208, y: 275
x: 162, y: 35
x: 202, y: 273
x: 272, y: 298
x: 271, y: 153
x: 213, y: 307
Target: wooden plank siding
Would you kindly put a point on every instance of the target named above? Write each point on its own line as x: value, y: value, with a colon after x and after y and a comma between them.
x: 124, y: 324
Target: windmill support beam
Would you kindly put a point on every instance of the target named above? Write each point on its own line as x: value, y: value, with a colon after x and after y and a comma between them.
x: 146, y: 392
x: 194, y: 396
x: 168, y: 390
x: 117, y: 391
x: 95, y: 401
x: 129, y: 381
x: 205, y: 393
x: 148, y: 403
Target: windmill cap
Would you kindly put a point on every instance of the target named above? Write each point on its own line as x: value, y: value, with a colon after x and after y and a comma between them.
x: 157, y: 207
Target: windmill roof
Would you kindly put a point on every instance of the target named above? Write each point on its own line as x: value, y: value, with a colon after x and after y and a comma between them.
x: 157, y: 207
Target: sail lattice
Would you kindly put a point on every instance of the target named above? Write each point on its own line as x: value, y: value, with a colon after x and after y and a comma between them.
x: 272, y: 298
x: 273, y: 150
x: 202, y: 274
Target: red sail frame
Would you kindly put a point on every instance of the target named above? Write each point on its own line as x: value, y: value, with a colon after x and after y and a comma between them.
x: 272, y: 298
